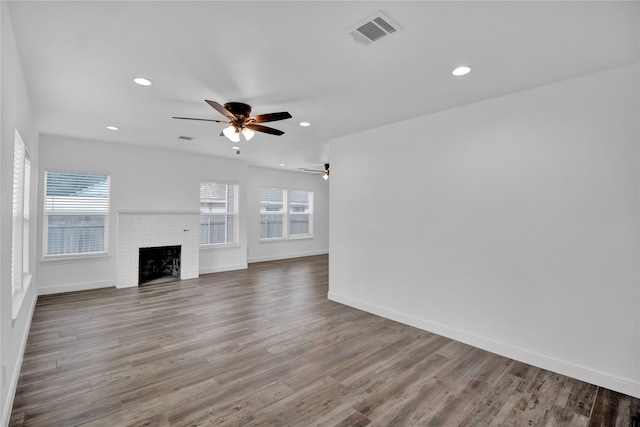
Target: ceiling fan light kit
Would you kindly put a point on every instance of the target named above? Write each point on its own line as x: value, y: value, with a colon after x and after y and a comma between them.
x: 241, y: 122
x: 232, y: 133
x: 248, y: 134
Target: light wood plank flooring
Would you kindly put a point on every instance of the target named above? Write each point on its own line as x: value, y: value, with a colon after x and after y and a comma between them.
x: 264, y: 347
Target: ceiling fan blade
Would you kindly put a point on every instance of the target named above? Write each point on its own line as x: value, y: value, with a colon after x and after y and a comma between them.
x: 271, y: 117
x: 220, y: 109
x: 313, y: 171
x: 264, y: 129
x: 204, y: 120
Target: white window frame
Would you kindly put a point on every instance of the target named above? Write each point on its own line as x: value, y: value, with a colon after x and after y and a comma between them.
x: 21, y: 224
x: 234, y: 213
x: 47, y: 213
x: 287, y: 215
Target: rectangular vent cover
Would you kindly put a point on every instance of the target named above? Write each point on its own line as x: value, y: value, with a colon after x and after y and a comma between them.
x: 373, y: 28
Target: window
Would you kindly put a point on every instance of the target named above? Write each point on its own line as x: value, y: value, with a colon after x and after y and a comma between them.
x: 300, y: 213
x: 285, y: 213
x: 271, y: 213
x: 76, y: 213
x: 218, y: 213
x: 21, y: 223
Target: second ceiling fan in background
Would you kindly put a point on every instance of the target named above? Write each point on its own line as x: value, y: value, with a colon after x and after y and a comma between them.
x: 325, y: 172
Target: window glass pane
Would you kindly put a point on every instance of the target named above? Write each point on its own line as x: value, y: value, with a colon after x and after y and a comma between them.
x: 271, y: 199
x: 75, y: 234
x: 213, y: 197
x: 76, y: 213
x: 271, y: 226
x: 299, y: 224
x: 217, y: 229
x: 217, y: 213
x: 299, y: 201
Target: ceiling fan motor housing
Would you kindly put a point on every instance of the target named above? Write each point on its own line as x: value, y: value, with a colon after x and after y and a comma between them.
x: 238, y: 109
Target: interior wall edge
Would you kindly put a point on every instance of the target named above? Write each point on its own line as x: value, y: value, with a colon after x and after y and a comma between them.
x: 602, y: 379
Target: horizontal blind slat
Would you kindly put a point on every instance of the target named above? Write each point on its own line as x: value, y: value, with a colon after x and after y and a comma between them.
x: 76, y: 208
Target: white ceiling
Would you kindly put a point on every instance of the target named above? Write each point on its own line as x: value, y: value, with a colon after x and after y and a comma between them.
x: 80, y: 57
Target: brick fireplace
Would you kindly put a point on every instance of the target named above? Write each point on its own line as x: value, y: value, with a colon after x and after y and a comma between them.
x: 136, y: 230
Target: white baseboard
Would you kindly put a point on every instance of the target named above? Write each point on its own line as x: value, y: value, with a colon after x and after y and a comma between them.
x: 286, y: 256
x: 222, y: 268
x: 75, y: 287
x: 13, y: 385
x: 622, y: 385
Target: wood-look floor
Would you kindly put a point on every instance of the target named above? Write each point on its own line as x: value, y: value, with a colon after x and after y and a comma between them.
x: 264, y: 347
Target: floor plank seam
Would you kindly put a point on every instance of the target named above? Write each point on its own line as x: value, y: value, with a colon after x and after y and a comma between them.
x: 264, y: 346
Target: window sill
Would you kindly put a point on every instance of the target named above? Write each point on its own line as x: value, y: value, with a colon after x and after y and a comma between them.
x: 207, y: 248
x: 301, y: 237
x: 287, y: 239
x: 68, y: 259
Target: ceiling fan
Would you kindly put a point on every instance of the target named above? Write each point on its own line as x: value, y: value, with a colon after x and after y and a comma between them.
x: 325, y: 172
x: 241, y: 122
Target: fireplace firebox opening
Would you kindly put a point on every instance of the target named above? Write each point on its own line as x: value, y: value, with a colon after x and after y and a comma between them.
x: 159, y: 264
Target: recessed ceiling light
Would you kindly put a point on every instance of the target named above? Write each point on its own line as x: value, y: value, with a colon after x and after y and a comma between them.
x: 112, y: 128
x: 142, y: 81
x: 235, y: 148
x: 282, y: 164
x: 305, y: 124
x: 461, y: 71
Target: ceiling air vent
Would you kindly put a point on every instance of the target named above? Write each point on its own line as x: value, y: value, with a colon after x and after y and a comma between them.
x: 373, y: 28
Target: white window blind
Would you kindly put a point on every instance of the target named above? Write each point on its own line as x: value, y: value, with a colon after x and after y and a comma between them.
x: 20, y: 210
x: 218, y: 213
x: 285, y: 213
x: 26, y: 215
x: 76, y: 213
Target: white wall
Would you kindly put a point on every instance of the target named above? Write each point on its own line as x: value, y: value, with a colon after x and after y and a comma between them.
x: 15, y: 113
x: 142, y: 179
x: 510, y: 224
x: 272, y: 250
